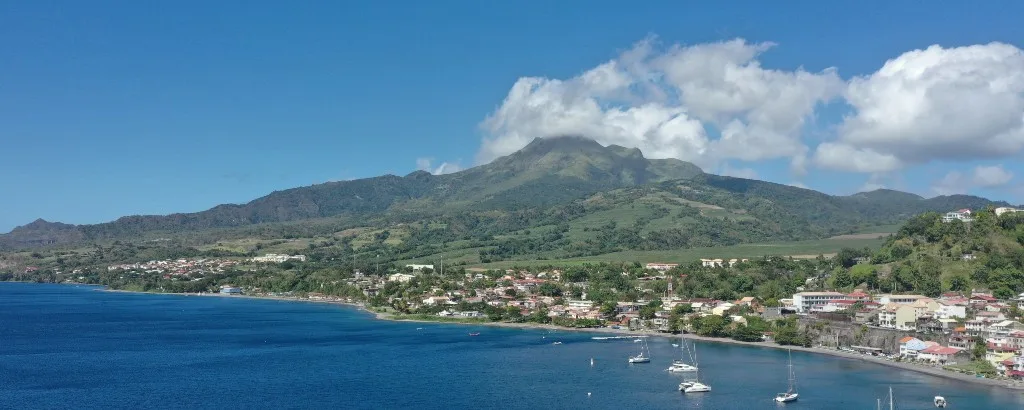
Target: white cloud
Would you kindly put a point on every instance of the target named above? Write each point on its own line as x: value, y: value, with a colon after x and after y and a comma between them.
x: 747, y: 173
x: 876, y: 181
x: 956, y: 182
x: 963, y: 103
x: 426, y: 164
x: 715, y: 104
x: 660, y: 101
x: 991, y: 176
x: 845, y: 157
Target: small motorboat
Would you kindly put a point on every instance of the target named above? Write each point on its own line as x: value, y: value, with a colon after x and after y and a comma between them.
x: 557, y: 343
x: 475, y: 334
x: 940, y: 401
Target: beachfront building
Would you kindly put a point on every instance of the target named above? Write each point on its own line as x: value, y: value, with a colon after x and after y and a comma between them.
x: 910, y: 346
x: 804, y: 301
x: 938, y: 354
x: 230, y: 290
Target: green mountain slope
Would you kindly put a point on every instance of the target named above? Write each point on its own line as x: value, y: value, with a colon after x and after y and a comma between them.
x: 557, y: 197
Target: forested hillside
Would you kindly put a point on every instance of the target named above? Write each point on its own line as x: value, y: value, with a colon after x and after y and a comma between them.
x: 929, y: 256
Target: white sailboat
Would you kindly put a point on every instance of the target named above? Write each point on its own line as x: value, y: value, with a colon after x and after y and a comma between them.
x: 892, y: 404
x: 642, y: 357
x: 680, y: 366
x: 789, y: 395
x: 694, y: 386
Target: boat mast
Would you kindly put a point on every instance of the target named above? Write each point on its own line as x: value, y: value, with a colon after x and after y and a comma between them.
x: 891, y: 407
x: 792, y: 376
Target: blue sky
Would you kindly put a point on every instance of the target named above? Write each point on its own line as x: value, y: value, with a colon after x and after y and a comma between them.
x: 118, y: 108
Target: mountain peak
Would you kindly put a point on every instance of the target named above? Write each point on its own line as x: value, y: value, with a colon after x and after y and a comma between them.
x: 889, y: 194
x: 568, y: 143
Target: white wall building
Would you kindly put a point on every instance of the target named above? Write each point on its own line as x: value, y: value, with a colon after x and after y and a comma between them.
x: 804, y: 301
x: 961, y: 215
x: 1003, y: 210
x: 278, y: 258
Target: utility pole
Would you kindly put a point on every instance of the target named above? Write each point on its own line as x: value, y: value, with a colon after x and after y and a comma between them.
x: 377, y: 268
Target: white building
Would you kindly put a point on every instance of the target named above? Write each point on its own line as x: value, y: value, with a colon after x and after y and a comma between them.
x: 899, y: 299
x: 949, y: 310
x: 1003, y: 210
x: 963, y: 215
x: 661, y: 267
x: 804, y: 301
x: 417, y: 268
x: 278, y: 258
x: 400, y: 278
x: 580, y: 304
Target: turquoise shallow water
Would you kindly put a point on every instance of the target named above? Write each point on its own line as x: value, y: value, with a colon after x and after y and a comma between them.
x: 75, y: 348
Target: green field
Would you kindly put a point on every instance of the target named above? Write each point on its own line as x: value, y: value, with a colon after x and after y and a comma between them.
x: 799, y: 249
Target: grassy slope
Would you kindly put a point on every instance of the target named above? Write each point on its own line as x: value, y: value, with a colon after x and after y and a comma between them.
x: 803, y: 249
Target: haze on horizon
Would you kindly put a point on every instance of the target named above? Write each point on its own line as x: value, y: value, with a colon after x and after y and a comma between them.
x: 112, y: 111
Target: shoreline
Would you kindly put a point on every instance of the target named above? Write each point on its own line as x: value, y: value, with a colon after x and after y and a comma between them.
x: 913, y: 367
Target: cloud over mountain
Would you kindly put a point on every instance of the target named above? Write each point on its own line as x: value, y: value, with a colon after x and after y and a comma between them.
x: 662, y: 101
x: 714, y: 104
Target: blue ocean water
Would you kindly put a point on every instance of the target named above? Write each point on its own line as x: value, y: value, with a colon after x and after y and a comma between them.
x: 73, y: 347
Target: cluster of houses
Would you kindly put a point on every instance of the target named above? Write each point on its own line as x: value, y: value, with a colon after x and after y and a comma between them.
x: 278, y: 258
x: 963, y: 319
x: 177, y: 268
x: 707, y: 263
x: 965, y: 215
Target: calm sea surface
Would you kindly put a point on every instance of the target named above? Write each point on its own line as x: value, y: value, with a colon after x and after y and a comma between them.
x: 73, y: 347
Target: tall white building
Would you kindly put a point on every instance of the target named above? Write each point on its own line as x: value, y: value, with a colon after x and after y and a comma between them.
x: 804, y: 301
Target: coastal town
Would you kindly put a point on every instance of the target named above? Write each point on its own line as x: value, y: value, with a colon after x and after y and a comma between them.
x: 950, y: 330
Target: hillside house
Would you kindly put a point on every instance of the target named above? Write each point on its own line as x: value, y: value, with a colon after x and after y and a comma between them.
x: 1005, y: 209
x: 661, y: 267
x: 963, y: 215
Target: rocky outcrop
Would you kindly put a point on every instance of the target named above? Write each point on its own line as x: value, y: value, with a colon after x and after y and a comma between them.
x: 829, y: 333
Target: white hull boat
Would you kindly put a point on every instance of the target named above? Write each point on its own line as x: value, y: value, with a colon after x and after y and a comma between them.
x: 697, y: 387
x: 680, y: 367
x: 644, y: 355
x: 791, y: 394
x: 940, y: 401
x: 786, y: 397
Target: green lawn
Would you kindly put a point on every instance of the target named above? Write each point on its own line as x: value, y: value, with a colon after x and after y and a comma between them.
x: 803, y: 249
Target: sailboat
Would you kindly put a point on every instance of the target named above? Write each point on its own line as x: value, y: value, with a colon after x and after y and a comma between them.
x: 892, y: 405
x: 642, y: 358
x: 789, y: 395
x: 694, y: 386
x: 680, y: 366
